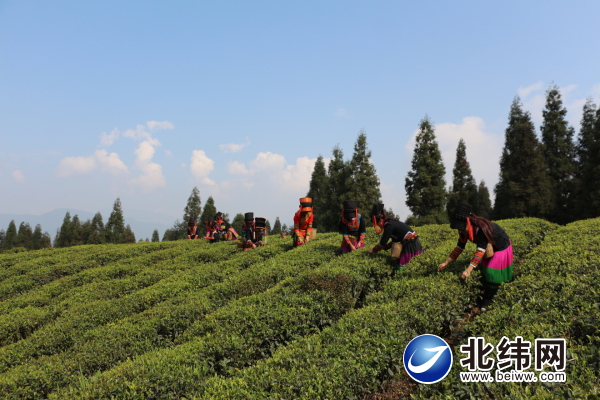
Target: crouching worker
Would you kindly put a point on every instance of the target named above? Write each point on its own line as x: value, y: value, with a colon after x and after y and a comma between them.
x: 405, y: 243
x: 494, y: 250
x: 303, y: 220
x: 253, y: 231
x: 352, y: 227
x: 192, y: 229
x: 225, y: 229
x: 213, y: 233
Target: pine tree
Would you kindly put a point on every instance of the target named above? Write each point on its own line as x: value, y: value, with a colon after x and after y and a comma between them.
x: 36, y: 238
x: 237, y: 223
x: 193, y: 209
x: 46, y: 242
x: 362, y: 182
x: 268, y: 227
x: 209, y: 211
x: 582, y: 198
x: 319, y: 187
x: 425, y: 184
x: 523, y: 188
x: 337, y: 174
x: 464, y: 188
x: 559, y: 152
x: 77, y: 231
x: 64, y: 237
x: 483, y: 204
x: 10, y: 240
x: 276, y: 227
x: 25, y: 236
x: 96, y: 230
x: 2, y: 237
x: 594, y: 179
x: 155, y: 237
x: 114, y: 230
x: 285, y: 229
x: 128, y: 235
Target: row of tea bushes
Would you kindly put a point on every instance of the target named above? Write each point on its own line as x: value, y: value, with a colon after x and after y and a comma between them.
x: 162, y: 281
x: 102, y: 348
x: 242, y: 332
x: 365, y: 347
x: 557, y: 295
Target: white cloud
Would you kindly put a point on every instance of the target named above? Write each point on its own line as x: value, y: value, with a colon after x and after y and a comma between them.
x: 160, y: 125
x: 151, y: 176
x: 340, y: 112
x: 110, y: 162
x: 201, y: 166
x: 248, y: 185
x: 75, y: 165
x: 18, y: 176
x: 109, y: 139
x: 525, y: 91
x: 237, y: 168
x: 268, y: 160
x: 233, y: 147
x: 297, y: 177
x: 168, y: 153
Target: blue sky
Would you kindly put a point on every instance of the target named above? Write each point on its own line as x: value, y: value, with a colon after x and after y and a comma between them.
x: 145, y: 100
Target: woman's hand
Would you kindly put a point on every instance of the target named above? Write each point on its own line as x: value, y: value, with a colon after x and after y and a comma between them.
x: 467, y: 272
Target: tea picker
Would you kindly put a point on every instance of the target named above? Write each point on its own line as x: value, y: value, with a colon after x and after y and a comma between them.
x: 253, y: 232
x: 405, y: 243
x: 303, y: 220
x: 494, y: 250
x: 352, y: 227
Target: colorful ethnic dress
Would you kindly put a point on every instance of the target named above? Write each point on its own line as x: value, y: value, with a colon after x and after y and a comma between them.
x: 302, y: 227
x: 399, y: 232
x: 353, y: 231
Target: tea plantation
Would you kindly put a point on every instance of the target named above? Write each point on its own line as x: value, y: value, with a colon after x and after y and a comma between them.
x: 191, y: 320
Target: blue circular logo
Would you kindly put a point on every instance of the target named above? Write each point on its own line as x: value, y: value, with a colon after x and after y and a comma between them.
x: 427, y: 359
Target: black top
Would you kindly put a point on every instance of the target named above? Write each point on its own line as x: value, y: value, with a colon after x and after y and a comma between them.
x: 253, y: 235
x: 395, y: 230
x: 499, y: 235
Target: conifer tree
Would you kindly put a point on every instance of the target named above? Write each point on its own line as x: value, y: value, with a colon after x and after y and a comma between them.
x: 276, y: 227
x: 425, y: 184
x: 96, y: 230
x: 523, y: 188
x: 155, y: 237
x: 559, y: 152
x: 209, y: 211
x: 36, y: 238
x: 337, y: 174
x: 25, y: 236
x: 584, y: 174
x: 10, y: 240
x: 114, y: 230
x: 319, y: 188
x: 193, y: 209
x: 483, y: 203
x: 285, y: 229
x: 128, y: 235
x: 362, y: 182
x: 77, y: 231
x: 65, y: 234
x: 594, y: 177
x: 464, y: 188
x: 46, y: 241
x: 237, y: 223
x: 2, y: 237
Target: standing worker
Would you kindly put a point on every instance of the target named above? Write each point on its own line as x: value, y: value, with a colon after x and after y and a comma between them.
x: 494, y: 250
x: 303, y: 220
x: 405, y: 242
x: 352, y: 227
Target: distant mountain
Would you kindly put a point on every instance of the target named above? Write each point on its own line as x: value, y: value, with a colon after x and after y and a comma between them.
x: 52, y: 220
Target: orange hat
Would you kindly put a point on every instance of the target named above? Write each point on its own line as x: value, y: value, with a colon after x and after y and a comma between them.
x: 306, y: 204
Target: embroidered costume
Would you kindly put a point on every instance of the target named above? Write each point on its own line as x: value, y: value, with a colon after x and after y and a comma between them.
x: 303, y: 221
x: 494, y: 251
x: 192, y: 230
x: 401, y: 235
x: 352, y: 227
x: 253, y: 232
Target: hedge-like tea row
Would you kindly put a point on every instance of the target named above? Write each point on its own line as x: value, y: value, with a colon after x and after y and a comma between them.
x: 341, y: 284
x: 365, y: 347
x: 73, y: 322
x: 557, y: 295
x: 101, y: 348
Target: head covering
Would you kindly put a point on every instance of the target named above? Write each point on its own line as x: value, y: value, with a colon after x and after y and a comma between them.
x: 378, y: 210
x: 306, y: 204
x: 350, y: 209
x: 260, y: 223
x: 249, y: 216
x: 458, y: 219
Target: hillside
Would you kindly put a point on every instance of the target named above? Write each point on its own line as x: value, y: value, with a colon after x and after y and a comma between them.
x: 188, y: 319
